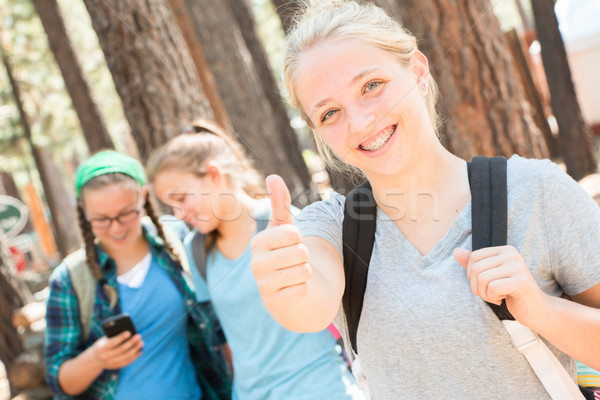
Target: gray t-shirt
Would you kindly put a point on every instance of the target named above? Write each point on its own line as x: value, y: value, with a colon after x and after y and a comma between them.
x: 423, y: 333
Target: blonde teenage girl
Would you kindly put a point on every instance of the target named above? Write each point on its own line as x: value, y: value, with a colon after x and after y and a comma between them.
x: 365, y: 89
x: 209, y: 184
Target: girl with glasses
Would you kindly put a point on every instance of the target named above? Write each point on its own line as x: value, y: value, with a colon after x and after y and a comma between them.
x: 134, y: 269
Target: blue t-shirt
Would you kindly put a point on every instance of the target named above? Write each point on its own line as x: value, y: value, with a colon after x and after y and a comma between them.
x: 164, y: 369
x: 269, y: 361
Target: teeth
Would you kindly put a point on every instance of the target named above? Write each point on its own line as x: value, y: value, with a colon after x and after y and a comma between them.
x: 380, y: 142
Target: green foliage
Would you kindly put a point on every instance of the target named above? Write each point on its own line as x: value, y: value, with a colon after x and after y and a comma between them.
x: 54, y: 123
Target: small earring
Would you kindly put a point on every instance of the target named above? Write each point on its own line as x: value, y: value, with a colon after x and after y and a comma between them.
x: 425, y: 86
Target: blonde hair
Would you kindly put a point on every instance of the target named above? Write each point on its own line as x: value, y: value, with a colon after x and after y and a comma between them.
x: 324, y: 20
x: 191, y: 152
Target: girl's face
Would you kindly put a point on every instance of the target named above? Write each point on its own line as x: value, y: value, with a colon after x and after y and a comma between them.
x: 365, y: 105
x: 114, y: 213
x: 196, y: 200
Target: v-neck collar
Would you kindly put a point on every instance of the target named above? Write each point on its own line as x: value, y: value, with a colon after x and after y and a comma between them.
x: 440, y: 249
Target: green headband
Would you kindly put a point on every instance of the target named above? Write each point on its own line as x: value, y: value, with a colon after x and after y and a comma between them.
x: 106, y: 162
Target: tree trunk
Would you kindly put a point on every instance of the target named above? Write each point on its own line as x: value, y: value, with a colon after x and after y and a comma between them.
x: 482, y: 99
x: 92, y: 124
x: 286, y: 9
x: 186, y: 25
x: 63, y: 214
x: 574, y: 135
x: 533, y: 95
x: 259, y: 124
x: 8, y: 186
x: 244, y: 16
x: 10, y: 300
x: 152, y: 68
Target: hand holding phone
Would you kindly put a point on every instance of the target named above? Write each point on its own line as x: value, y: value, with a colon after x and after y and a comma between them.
x: 116, y: 324
x: 120, y: 346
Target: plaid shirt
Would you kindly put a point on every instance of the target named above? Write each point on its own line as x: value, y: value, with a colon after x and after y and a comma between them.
x: 64, y: 338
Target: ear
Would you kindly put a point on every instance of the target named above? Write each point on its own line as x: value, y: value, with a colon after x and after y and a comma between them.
x: 144, y: 194
x: 214, y: 172
x: 420, y: 66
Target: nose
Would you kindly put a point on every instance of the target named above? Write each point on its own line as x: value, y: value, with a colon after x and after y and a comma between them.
x: 180, y: 213
x: 361, y: 121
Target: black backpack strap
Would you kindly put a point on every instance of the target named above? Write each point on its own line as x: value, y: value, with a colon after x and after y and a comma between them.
x: 199, y: 252
x: 487, y: 179
x: 358, y: 236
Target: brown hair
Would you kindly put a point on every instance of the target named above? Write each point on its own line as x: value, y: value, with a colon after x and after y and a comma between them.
x: 126, y: 182
x: 204, y: 142
x: 191, y: 152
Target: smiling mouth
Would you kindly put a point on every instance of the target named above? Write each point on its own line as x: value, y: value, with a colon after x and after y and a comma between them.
x: 379, y: 141
x: 119, y: 237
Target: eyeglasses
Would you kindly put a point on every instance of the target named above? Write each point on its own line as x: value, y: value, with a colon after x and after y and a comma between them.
x: 123, y: 218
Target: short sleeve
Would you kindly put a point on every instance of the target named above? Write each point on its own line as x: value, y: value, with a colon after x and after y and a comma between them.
x: 572, y: 224
x: 63, y: 338
x: 200, y: 285
x: 324, y: 219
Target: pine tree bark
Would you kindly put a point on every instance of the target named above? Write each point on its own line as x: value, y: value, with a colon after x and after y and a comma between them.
x: 482, y: 100
x: 574, y: 135
x: 207, y: 80
x: 151, y: 67
x: 63, y: 214
x: 92, y: 123
x: 258, y: 118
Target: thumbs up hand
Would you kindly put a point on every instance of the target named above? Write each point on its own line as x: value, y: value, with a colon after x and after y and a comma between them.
x: 281, y: 201
x: 279, y: 257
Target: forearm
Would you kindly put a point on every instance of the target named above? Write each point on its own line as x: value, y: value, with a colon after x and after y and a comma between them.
x: 571, y: 327
x: 77, y: 374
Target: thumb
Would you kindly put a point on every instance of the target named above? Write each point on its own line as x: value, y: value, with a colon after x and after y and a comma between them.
x: 462, y: 256
x: 281, y: 201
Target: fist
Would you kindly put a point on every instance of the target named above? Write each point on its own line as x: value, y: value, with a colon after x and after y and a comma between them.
x: 500, y: 273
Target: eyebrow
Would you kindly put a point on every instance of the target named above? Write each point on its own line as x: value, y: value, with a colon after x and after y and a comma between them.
x: 363, y: 74
x: 352, y: 82
x: 121, y: 211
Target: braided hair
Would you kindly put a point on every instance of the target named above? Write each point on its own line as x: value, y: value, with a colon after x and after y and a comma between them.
x: 159, y: 229
x: 92, y: 257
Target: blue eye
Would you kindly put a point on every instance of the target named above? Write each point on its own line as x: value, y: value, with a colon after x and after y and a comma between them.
x: 328, y: 114
x: 371, y: 85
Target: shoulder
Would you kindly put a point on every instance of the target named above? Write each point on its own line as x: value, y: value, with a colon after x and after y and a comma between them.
x: 324, y: 219
x: 528, y: 172
x: 71, y: 264
x: 332, y: 209
x: 60, y: 276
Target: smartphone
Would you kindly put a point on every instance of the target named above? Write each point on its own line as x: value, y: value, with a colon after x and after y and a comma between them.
x: 117, y: 324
